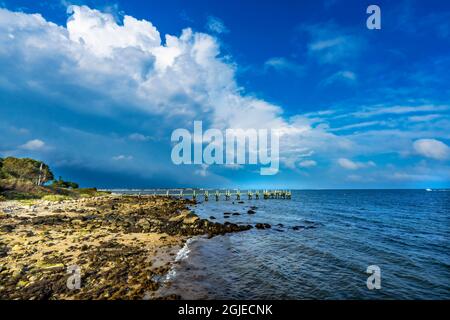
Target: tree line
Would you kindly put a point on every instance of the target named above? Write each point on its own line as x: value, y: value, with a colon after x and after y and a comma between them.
x: 31, y: 170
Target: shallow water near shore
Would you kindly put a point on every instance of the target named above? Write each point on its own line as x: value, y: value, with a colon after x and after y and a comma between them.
x: 339, y: 234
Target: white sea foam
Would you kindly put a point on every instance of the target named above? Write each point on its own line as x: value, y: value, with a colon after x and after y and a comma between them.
x: 182, y: 254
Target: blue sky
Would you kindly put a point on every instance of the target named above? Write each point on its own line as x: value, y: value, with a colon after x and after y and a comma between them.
x: 95, y: 88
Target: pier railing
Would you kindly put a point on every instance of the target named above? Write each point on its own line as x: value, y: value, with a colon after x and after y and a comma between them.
x: 216, y: 194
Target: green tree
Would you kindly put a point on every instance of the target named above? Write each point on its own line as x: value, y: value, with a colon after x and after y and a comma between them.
x: 60, y: 183
x: 72, y: 185
x: 27, y: 169
x: 2, y: 175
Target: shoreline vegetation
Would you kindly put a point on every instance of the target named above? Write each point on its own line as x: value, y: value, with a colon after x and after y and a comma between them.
x: 28, y: 179
x: 122, y: 245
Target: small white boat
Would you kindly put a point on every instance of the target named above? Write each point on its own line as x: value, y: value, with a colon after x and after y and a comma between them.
x: 428, y: 190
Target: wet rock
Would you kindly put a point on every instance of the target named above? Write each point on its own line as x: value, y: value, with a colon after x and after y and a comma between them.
x: 251, y: 211
x: 310, y: 225
x: 212, y: 218
x: 236, y: 214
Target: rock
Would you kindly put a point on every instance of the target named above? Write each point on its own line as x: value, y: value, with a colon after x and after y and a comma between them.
x: 304, y: 227
x: 112, y: 268
x: 241, y: 202
x: 29, y: 233
x: 3, y: 251
x: 51, y: 266
x: 177, y: 218
x: 22, y: 283
x: 77, y: 222
x: 186, y: 216
x: 190, y: 218
x: 251, y: 211
x: 143, y: 224
x: 236, y: 214
x: 263, y: 226
x: 7, y: 228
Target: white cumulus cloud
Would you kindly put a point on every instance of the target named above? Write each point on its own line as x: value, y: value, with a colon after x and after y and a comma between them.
x: 307, y: 163
x: 138, y: 137
x: 33, y: 145
x: 353, y: 165
x: 122, y: 157
x: 432, y: 148
x: 104, y: 67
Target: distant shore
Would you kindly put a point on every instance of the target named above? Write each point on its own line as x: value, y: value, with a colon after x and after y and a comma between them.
x: 121, y: 245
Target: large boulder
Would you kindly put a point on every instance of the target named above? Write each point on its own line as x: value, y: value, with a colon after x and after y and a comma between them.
x: 186, y: 217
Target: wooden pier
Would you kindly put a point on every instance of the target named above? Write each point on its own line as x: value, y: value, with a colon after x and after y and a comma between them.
x: 227, y: 194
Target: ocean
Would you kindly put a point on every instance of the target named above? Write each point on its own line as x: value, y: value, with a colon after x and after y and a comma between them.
x: 337, y: 235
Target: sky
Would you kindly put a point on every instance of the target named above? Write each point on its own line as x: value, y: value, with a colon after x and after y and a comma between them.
x: 95, y: 89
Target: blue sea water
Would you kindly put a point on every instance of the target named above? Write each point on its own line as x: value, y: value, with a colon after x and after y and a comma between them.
x: 340, y: 233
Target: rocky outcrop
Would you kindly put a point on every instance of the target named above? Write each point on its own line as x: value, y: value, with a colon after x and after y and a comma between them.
x: 113, y: 239
x: 263, y: 226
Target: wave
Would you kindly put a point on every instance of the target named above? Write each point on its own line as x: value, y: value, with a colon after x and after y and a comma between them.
x: 182, y: 254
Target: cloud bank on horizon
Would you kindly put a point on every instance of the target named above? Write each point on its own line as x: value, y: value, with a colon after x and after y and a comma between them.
x: 98, y: 99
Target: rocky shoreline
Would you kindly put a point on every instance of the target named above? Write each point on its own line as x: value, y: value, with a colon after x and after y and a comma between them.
x: 120, y: 245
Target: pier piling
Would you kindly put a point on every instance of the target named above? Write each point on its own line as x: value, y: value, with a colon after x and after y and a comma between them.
x: 227, y: 194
